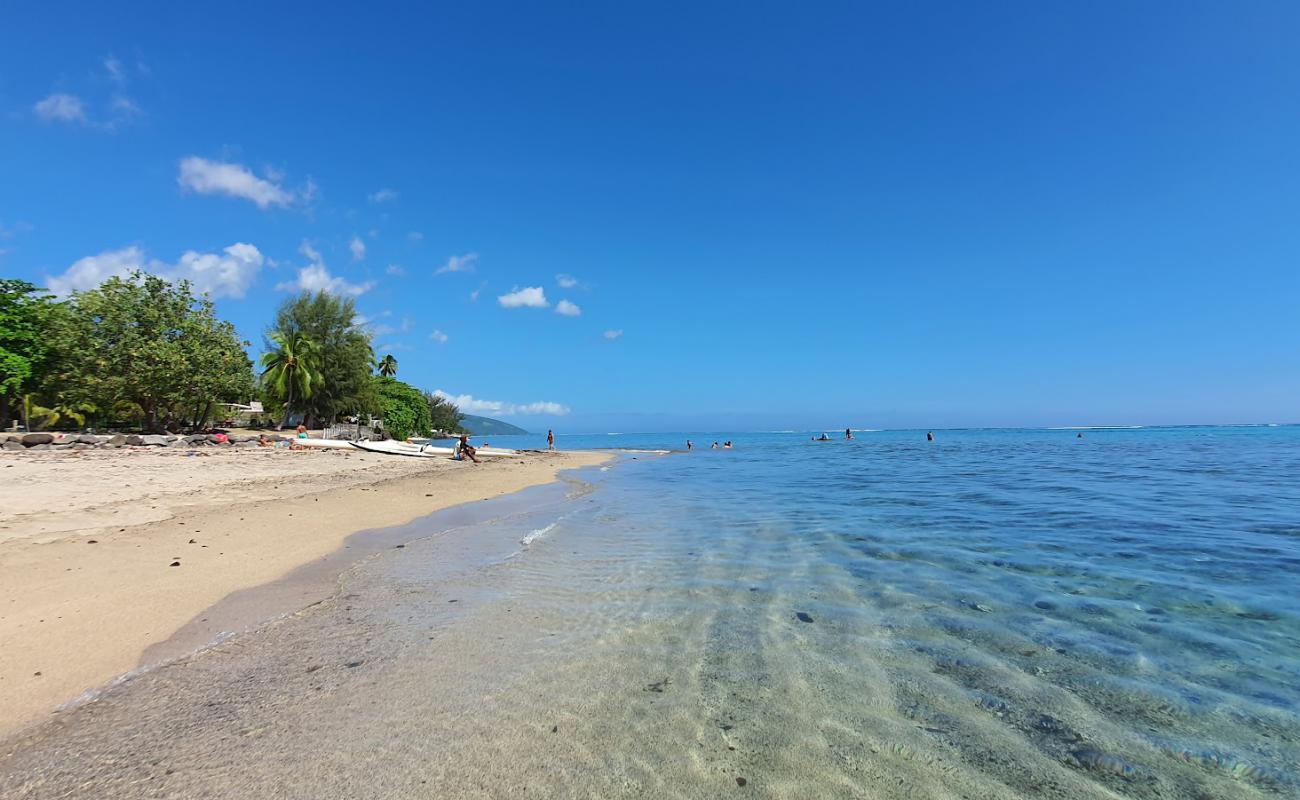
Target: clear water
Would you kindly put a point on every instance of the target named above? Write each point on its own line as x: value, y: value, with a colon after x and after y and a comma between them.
x: 994, y: 614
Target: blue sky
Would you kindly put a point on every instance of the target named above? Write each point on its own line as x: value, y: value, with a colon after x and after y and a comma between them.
x: 770, y: 216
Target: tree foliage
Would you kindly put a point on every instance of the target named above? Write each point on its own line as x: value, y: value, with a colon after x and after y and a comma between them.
x: 443, y: 414
x: 154, y: 345
x: 290, y: 370
x: 343, y: 353
x: 404, y: 410
x: 387, y: 366
x: 26, y: 349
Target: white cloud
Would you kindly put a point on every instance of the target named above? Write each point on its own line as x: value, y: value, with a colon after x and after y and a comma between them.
x: 358, y: 248
x: 316, y: 277
x: 225, y: 274
x: 395, y: 269
x: 439, y: 337
x: 216, y: 177
x: 383, y: 330
x: 408, y: 324
x: 382, y: 196
x: 528, y: 297
x: 473, y: 405
x: 473, y: 296
x: 463, y: 263
x: 566, y: 281
x: 613, y: 333
x: 61, y: 108
x: 567, y: 309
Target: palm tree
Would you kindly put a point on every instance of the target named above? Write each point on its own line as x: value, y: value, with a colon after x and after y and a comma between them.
x: 290, y: 368
x: 387, y: 366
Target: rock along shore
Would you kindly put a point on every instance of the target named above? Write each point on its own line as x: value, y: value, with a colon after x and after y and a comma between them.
x: 90, y: 441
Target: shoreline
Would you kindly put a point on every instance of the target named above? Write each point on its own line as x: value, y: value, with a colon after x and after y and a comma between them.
x: 82, y: 605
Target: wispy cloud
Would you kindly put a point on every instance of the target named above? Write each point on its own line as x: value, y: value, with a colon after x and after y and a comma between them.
x: 226, y: 274
x: 568, y: 309
x: 316, y: 277
x: 382, y: 196
x: 10, y: 231
x: 61, y: 108
x: 473, y: 405
x: 613, y: 333
x: 203, y: 176
x: 395, y: 270
x: 115, y: 70
x: 357, y: 247
x: 73, y: 108
x: 439, y: 337
x: 414, y: 237
x: 463, y: 263
x: 566, y: 281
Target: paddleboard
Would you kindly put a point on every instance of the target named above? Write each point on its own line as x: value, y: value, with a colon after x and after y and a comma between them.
x: 404, y: 449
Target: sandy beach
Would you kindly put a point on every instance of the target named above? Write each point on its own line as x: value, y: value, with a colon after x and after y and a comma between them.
x: 105, y: 555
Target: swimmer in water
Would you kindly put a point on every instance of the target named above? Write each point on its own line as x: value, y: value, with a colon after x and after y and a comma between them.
x: 848, y: 433
x: 929, y: 436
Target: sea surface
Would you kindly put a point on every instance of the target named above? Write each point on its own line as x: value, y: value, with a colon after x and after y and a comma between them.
x: 1073, y: 613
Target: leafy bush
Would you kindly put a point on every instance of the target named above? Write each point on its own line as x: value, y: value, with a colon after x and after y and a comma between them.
x: 403, y: 407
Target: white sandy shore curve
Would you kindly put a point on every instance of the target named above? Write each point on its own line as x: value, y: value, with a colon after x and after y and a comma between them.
x: 88, y: 541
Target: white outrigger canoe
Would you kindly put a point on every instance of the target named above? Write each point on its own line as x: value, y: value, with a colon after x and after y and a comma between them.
x: 426, y: 451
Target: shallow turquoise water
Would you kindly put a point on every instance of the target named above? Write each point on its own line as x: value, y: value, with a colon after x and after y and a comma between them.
x: 1143, y: 579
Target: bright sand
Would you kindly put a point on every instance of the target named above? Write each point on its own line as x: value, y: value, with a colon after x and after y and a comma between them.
x: 76, y: 614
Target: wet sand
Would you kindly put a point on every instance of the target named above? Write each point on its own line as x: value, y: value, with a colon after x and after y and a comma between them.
x: 113, y: 561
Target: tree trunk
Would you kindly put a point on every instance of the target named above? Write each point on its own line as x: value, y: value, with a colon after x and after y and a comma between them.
x: 288, y: 404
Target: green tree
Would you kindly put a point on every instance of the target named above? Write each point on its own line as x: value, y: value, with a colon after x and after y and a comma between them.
x: 387, y: 366
x: 153, y: 344
x: 26, y: 346
x: 343, y: 353
x: 404, y: 410
x: 443, y: 414
x: 289, y: 371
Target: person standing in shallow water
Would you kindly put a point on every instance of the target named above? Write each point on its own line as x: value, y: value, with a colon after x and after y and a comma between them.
x: 848, y: 433
x: 689, y: 445
x: 550, y: 439
x: 929, y: 436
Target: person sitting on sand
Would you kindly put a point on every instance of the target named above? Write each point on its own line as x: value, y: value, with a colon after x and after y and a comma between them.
x: 262, y: 441
x: 302, y: 431
x: 464, y: 449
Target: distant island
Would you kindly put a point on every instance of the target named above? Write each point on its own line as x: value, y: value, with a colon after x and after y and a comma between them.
x: 484, y: 426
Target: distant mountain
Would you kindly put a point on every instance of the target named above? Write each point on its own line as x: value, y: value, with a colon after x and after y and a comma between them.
x: 483, y: 426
